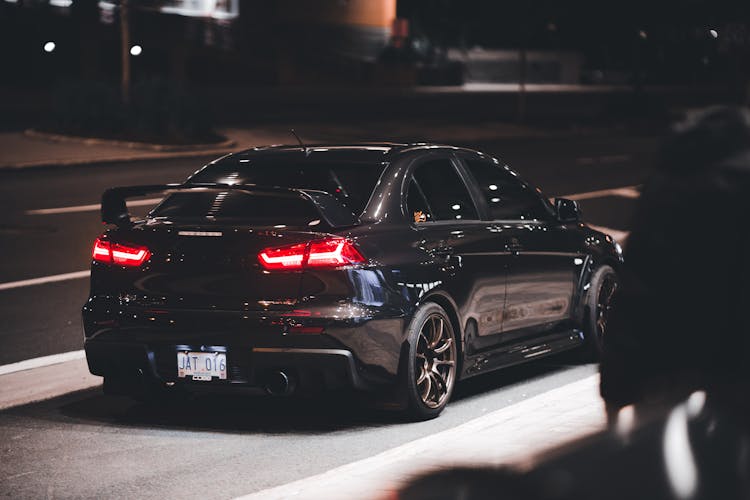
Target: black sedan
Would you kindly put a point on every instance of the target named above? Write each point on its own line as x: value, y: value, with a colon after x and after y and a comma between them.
x: 396, y: 269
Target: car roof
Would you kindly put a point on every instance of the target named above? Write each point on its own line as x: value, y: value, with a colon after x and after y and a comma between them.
x: 374, y: 152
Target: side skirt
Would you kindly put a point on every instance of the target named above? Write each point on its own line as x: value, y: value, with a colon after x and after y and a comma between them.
x: 513, y: 354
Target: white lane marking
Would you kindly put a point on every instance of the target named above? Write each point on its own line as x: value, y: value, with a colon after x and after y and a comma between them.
x: 30, y: 364
x: 623, y: 192
x: 89, y: 208
x: 45, y: 279
x: 591, y: 160
x: 517, y: 434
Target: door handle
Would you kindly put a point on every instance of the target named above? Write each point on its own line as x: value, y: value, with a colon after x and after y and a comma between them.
x: 443, y: 251
x: 449, y: 261
x: 513, y: 246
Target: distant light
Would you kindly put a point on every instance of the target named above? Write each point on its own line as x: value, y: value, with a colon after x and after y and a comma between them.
x: 713, y: 33
x: 136, y: 50
x: 643, y: 34
x: 625, y: 420
x: 695, y: 403
x: 456, y: 207
x: 49, y: 46
x: 679, y: 460
x: 495, y: 200
x: 493, y: 187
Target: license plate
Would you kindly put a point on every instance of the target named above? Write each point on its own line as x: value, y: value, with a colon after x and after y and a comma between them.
x: 203, y: 366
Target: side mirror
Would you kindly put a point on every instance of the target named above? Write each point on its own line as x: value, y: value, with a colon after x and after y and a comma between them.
x: 567, y: 210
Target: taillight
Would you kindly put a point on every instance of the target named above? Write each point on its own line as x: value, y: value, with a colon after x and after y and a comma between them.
x: 117, y: 253
x: 289, y: 257
x: 330, y: 253
x: 102, y: 251
x: 333, y: 252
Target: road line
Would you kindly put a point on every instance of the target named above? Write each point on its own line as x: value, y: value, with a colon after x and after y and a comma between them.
x: 89, y: 208
x: 30, y: 364
x: 624, y: 192
x: 591, y: 160
x: 45, y: 279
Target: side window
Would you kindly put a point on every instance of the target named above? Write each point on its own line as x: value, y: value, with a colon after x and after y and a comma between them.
x: 507, y: 197
x: 437, y: 191
x: 416, y: 204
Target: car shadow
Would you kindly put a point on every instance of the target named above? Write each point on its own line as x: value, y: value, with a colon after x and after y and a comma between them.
x: 330, y: 412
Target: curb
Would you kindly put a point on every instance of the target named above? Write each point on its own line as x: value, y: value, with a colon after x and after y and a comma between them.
x: 113, y: 159
x: 93, y: 141
x: 41, y: 383
x: 518, y: 436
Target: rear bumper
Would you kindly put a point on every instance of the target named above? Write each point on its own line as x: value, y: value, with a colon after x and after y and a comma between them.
x: 329, y: 344
x: 312, y: 369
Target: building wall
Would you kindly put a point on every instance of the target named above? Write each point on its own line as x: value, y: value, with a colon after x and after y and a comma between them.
x: 372, y: 13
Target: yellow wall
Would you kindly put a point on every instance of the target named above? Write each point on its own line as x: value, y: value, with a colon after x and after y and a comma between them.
x: 377, y: 13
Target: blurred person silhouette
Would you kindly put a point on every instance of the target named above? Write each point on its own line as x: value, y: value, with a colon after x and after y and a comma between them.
x: 681, y: 318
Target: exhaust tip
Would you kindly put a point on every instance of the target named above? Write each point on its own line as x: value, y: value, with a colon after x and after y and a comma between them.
x: 279, y: 383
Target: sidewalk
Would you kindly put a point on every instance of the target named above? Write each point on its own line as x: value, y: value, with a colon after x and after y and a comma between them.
x: 22, y: 150
x: 517, y: 436
x: 44, y: 378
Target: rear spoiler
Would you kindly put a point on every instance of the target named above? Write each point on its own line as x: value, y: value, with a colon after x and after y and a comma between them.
x: 115, y: 210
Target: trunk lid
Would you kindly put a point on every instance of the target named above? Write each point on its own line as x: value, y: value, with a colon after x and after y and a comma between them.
x: 204, y: 242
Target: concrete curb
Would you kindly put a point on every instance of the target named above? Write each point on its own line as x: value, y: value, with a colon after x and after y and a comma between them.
x: 518, y: 436
x: 45, y: 382
x: 113, y: 159
x: 94, y: 141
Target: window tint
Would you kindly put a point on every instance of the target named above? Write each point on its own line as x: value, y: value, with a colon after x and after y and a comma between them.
x: 351, y: 183
x: 255, y: 208
x: 417, y: 205
x: 438, y: 192
x: 507, y: 197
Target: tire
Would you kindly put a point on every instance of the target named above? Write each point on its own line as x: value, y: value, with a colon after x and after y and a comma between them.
x: 429, y: 363
x: 604, y: 284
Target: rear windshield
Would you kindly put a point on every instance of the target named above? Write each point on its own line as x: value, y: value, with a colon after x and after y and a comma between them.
x: 256, y: 208
x: 351, y: 183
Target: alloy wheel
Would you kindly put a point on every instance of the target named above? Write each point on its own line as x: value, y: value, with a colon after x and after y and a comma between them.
x: 604, y: 304
x: 435, y: 361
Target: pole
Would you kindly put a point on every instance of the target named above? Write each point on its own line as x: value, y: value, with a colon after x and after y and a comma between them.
x: 125, y: 42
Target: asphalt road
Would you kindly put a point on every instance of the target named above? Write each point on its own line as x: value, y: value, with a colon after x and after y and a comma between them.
x: 91, y: 445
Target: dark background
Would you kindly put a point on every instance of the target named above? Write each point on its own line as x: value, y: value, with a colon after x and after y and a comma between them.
x: 258, y: 61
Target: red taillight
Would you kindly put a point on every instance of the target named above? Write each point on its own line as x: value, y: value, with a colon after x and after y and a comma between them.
x: 289, y: 257
x: 122, y: 255
x: 331, y: 252
x: 102, y: 251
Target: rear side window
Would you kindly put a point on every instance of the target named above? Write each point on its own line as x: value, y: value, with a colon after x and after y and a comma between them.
x: 254, y: 208
x: 436, y: 192
x: 508, y: 198
x: 350, y: 183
